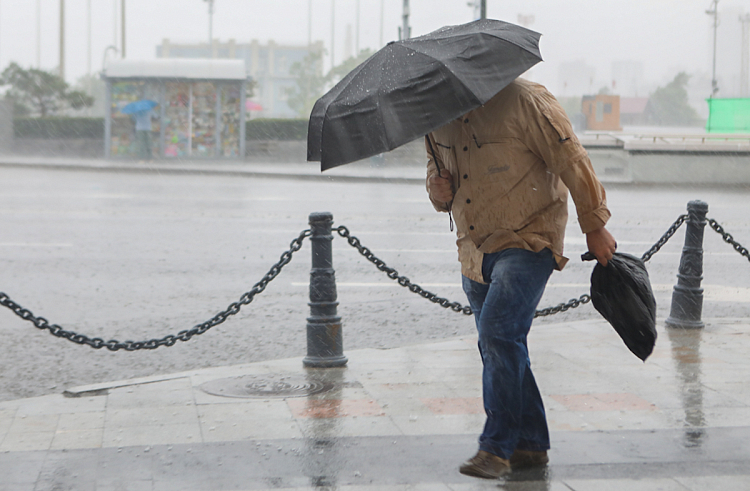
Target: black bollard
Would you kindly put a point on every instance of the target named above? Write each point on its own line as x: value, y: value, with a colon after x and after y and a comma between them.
x: 324, y: 337
x: 687, y: 296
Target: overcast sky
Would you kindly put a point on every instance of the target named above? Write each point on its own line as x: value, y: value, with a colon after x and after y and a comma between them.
x: 666, y: 35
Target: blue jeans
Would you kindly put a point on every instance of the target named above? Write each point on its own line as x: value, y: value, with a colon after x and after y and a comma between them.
x: 504, y: 309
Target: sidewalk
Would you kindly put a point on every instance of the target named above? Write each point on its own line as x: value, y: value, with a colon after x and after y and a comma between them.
x: 400, y: 419
x: 358, y: 171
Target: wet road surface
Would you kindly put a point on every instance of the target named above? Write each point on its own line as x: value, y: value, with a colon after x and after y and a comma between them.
x: 140, y: 256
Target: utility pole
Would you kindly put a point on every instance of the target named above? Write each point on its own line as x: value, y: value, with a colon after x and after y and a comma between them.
x: 745, y: 55
x: 483, y: 9
x: 38, y: 33
x: 356, y: 34
x: 715, y: 12
x: 62, y: 39
x: 405, y: 30
x: 210, y: 26
x: 309, y: 23
x: 382, y: 11
x: 122, y: 20
x: 333, y: 35
x: 88, y: 63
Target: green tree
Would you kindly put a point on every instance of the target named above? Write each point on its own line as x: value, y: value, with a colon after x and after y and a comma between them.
x: 669, y: 105
x: 340, y: 71
x: 310, y: 83
x: 40, y: 92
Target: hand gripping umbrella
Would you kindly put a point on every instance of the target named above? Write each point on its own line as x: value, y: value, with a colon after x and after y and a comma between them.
x: 412, y: 87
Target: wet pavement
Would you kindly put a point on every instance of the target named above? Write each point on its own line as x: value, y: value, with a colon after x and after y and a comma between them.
x: 398, y: 418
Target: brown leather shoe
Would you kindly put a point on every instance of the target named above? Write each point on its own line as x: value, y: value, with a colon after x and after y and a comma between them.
x: 485, y: 465
x: 528, y: 458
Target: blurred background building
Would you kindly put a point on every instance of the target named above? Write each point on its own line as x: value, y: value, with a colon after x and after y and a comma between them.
x: 268, y: 65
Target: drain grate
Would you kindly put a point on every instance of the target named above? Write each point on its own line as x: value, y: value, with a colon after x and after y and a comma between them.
x: 265, y: 386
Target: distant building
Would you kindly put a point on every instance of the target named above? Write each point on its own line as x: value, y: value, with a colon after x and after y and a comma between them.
x: 576, y: 78
x: 267, y: 64
x: 627, y: 78
x: 633, y: 111
x: 602, y: 112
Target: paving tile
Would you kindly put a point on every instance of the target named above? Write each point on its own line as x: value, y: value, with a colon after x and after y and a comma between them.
x: 20, y: 468
x: 254, y: 419
x: 57, y: 404
x: 624, y: 485
x: 604, y: 402
x: 120, y: 485
x: 144, y: 416
x: 446, y: 405
x: 430, y: 424
x: 357, y: 426
x: 77, y: 439
x: 151, y: 435
x: 715, y: 482
x: 26, y: 441
x: 510, y: 486
x: 334, y: 408
x: 81, y: 421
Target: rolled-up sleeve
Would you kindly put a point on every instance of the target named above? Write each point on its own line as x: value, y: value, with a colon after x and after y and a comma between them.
x: 551, y: 138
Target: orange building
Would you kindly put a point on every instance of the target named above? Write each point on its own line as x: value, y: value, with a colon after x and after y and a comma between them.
x: 602, y: 112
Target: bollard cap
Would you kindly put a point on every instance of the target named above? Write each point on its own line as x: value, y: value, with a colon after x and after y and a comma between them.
x: 698, y: 206
x: 321, y: 216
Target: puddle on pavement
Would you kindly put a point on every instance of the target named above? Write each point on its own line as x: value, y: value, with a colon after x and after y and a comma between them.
x: 687, y: 358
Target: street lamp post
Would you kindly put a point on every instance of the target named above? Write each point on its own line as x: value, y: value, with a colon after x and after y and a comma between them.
x: 715, y: 12
x: 62, y: 39
x: 405, y: 29
x: 483, y: 9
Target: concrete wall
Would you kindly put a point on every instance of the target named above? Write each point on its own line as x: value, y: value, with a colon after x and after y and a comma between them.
x: 617, y: 165
x: 6, y: 126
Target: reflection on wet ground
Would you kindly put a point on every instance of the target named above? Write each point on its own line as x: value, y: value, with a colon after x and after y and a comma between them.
x: 686, y: 345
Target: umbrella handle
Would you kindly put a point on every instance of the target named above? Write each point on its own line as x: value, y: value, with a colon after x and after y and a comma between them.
x: 434, y: 157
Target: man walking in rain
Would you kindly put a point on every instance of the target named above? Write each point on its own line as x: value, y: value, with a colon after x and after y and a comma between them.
x: 504, y: 171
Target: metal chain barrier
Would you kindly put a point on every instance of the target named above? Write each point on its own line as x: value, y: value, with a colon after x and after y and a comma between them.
x: 402, y: 280
x: 729, y: 239
x: 664, y: 238
x: 286, y: 257
x: 457, y: 307
x: 170, y: 340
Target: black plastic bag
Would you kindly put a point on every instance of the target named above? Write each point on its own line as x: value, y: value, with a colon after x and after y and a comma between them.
x: 621, y: 292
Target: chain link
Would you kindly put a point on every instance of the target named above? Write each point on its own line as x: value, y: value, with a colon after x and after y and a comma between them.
x: 664, y: 238
x: 443, y: 302
x: 729, y: 239
x: 170, y: 340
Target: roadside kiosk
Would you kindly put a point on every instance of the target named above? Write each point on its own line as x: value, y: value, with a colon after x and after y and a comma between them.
x: 198, y: 109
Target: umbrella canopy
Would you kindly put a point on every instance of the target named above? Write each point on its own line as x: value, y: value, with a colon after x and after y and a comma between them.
x: 412, y: 87
x: 139, y: 106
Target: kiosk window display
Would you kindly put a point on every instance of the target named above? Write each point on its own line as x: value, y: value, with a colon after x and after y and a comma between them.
x: 175, y: 108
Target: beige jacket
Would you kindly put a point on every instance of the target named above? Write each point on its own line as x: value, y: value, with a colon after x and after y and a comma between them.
x: 513, y: 162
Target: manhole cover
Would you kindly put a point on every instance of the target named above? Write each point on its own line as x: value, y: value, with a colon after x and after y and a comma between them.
x: 265, y: 386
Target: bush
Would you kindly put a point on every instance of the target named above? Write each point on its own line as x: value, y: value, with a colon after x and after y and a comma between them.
x: 276, y: 129
x: 59, y: 127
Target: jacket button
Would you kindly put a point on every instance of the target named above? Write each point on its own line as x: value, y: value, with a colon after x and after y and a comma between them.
x: 466, y: 148
x: 466, y: 120
x: 466, y: 176
x: 468, y: 201
x: 471, y: 227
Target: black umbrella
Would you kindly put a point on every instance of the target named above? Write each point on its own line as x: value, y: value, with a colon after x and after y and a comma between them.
x: 412, y: 87
x: 621, y: 292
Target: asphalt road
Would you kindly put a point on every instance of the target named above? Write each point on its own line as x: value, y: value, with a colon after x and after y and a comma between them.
x: 139, y: 256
